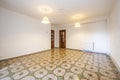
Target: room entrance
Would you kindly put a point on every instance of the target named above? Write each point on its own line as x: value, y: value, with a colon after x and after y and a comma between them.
x: 62, y: 38
x: 52, y: 38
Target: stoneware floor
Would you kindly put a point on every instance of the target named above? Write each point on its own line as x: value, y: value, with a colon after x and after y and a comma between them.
x: 59, y: 64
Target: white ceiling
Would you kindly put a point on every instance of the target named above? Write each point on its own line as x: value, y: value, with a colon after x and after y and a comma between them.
x: 63, y: 10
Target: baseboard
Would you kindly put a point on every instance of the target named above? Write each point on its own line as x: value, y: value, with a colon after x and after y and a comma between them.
x: 117, y: 66
x: 88, y: 51
x: 25, y: 55
x: 74, y: 49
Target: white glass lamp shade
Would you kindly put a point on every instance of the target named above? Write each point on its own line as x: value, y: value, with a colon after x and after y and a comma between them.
x: 77, y: 24
x: 45, y: 20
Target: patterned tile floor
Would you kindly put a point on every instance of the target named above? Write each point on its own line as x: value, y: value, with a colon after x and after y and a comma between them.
x: 59, y: 64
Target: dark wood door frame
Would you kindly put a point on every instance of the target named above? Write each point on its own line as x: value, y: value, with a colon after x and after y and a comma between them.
x: 62, y: 38
x: 52, y: 38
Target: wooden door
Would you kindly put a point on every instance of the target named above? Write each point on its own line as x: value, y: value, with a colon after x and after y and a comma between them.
x: 62, y: 38
x: 52, y: 38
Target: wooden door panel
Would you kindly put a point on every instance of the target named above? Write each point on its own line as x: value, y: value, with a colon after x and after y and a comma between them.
x: 52, y: 38
x: 62, y: 38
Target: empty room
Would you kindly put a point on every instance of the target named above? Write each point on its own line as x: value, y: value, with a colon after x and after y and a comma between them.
x: 59, y: 39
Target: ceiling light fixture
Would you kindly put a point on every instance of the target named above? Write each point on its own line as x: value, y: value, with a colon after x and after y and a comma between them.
x: 45, y: 20
x: 78, y: 16
x: 44, y: 9
x: 77, y: 24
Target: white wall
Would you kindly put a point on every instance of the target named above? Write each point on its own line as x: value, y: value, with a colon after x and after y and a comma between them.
x: 82, y: 38
x: 115, y: 33
x: 21, y: 35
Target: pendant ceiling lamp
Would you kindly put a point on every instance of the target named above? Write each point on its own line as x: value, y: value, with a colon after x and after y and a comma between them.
x: 45, y: 20
x: 77, y: 24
